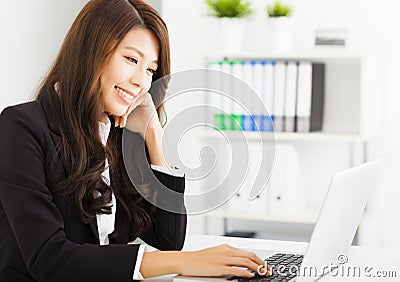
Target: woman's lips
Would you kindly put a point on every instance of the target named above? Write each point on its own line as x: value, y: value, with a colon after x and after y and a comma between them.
x: 125, y: 95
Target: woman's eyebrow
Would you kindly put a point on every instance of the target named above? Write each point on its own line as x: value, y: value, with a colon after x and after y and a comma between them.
x: 139, y: 52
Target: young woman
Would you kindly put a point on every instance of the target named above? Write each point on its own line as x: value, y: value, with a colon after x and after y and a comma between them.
x: 68, y: 207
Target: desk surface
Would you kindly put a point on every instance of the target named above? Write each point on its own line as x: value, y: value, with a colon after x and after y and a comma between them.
x: 372, y: 262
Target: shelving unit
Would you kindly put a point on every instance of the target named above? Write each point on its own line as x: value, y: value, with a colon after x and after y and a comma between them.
x: 352, y: 88
x: 315, y: 55
x: 284, y: 136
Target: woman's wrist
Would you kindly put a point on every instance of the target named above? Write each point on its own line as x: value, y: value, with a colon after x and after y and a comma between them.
x: 153, y: 139
x: 162, y: 263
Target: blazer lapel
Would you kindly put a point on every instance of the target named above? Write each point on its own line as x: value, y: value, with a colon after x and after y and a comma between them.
x: 93, y: 227
x: 55, y: 135
x: 119, y: 215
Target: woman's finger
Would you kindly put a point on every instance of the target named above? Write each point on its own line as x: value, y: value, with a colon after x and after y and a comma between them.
x: 231, y: 270
x: 130, y: 108
x: 258, y: 262
x: 261, y: 269
x: 122, y: 121
x: 242, y: 262
x: 250, y: 255
x: 116, y: 121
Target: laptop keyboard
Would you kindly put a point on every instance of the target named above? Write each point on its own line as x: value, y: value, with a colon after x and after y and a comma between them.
x: 284, y: 268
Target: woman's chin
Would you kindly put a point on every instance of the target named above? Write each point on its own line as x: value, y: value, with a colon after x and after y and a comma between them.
x: 119, y: 112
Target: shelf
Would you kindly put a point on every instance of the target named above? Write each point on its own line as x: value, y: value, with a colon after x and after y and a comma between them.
x: 301, y: 219
x: 282, y: 136
x: 309, y: 55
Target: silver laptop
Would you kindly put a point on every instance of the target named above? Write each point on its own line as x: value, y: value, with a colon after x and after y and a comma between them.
x: 334, y: 232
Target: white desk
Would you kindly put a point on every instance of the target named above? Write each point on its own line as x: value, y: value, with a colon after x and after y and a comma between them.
x: 379, y: 259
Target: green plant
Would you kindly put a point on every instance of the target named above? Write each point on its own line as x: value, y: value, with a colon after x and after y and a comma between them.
x: 229, y: 8
x: 278, y: 10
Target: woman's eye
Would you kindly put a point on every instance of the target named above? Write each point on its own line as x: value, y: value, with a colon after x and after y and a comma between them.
x: 133, y: 60
x: 152, y: 71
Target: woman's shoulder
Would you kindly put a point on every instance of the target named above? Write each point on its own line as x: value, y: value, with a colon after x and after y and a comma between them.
x: 27, y: 108
x: 29, y: 114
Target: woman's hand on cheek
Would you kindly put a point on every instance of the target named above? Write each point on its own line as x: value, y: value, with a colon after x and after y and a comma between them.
x: 140, y: 116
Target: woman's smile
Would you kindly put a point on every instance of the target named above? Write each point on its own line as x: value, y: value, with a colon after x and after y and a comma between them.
x: 126, y: 96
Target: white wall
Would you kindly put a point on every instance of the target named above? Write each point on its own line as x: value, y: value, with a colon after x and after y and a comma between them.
x: 391, y: 138
x: 31, y: 34
x: 194, y: 34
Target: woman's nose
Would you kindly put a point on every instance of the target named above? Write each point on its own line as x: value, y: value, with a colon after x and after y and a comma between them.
x: 138, y: 78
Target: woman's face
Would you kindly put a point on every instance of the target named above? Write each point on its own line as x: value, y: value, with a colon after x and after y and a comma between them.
x: 129, y: 71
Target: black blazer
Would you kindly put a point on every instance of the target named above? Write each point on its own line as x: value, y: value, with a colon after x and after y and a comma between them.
x: 41, y: 236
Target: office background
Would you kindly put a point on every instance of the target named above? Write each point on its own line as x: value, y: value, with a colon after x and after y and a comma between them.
x: 32, y: 33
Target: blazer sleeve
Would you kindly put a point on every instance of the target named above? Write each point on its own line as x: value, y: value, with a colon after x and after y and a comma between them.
x: 36, y: 221
x: 169, y: 229
x: 169, y: 224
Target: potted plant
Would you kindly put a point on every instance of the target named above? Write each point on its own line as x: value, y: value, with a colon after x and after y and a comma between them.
x: 279, y: 27
x: 230, y: 14
x: 278, y: 10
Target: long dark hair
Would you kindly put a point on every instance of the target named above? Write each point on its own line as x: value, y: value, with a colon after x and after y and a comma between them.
x: 71, y: 90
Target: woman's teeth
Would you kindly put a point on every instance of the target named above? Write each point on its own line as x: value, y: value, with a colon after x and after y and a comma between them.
x: 123, y: 93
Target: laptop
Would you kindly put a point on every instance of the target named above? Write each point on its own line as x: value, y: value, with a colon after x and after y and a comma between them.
x: 333, y: 233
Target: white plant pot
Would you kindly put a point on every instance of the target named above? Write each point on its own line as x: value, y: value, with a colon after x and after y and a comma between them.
x: 231, y: 35
x: 279, y: 34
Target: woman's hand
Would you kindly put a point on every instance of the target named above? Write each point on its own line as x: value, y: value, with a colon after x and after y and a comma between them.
x: 210, y: 262
x: 141, y: 116
x: 221, y: 260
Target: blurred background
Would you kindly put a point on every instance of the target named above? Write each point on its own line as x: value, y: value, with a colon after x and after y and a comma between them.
x: 357, y: 41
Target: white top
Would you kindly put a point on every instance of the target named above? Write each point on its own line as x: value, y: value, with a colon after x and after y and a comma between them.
x: 105, y: 222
